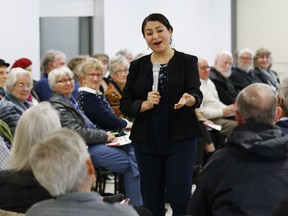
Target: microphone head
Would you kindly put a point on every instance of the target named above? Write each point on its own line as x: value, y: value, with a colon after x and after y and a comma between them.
x: 156, y: 67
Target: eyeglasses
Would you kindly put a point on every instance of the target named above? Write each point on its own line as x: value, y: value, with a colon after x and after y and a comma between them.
x: 22, y: 86
x: 118, y: 72
x: 204, y: 67
x: 246, y: 58
x: 3, y: 73
x: 95, y: 75
x: 65, y: 81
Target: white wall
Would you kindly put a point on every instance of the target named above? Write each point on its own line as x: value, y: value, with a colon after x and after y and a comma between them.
x: 200, y: 27
x: 19, y: 21
x: 263, y: 23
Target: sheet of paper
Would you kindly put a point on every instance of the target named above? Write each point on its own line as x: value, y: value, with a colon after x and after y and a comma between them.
x: 122, y: 140
x: 214, y: 126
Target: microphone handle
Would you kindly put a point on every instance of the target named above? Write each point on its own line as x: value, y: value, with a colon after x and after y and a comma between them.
x: 155, y: 82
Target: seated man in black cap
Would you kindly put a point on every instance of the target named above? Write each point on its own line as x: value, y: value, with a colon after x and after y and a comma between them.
x: 3, y: 76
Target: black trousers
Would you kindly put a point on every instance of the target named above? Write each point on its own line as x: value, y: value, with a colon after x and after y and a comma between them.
x: 166, y: 178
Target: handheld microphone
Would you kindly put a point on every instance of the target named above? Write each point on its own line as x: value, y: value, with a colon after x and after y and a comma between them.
x: 156, y: 70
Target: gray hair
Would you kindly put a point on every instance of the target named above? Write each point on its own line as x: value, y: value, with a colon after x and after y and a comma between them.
x: 52, y: 165
x: 34, y: 124
x: 13, y: 76
x: 50, y: 56
x: 58, y: 73
x: 75, y: 64
x: 90, y: 63
x: 257, y: 103
x: 223, y: 53
x: 123, y: 52
x: 241, y: 51
x: 116, y: 60
x: 283, y: 92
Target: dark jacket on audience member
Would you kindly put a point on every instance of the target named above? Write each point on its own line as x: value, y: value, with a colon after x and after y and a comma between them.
x: 283, y: 124
x: 264, y: 78
x: 224, y: 87
x: 20, y: 190
x: 249, y: 176
x: 240, y: 79
x: 71, y: 118
x: 282, y: 209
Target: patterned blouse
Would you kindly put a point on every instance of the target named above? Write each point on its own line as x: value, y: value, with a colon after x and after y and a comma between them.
x: 113, y: 95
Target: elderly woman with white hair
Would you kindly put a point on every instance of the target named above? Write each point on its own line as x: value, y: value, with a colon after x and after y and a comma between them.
x: 71, y: 116
x: 19, y: 189
x: 119, y: 68
x: 70, y: 180
x: 18, y: 85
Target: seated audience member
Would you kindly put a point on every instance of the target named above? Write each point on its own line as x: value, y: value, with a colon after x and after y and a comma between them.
x: 249, y: 176
x: 262, y: 68
x: 119, y: 69
x: 26, y: 64
x: 104, y: 59
x: 69, y: 181
x: 126, y: 53
x: 74, y: 64
x: 243, y: 74
x: 18, y: 86
x: 283, y: 104
x: 93, y: 103
x: 71, y: 116
x: 219, y: 75
x: 52, y: 59
x: 3, y: 76
x: 212, y: 108
x: 19, y: 189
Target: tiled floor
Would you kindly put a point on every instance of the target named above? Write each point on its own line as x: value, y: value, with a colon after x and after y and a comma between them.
x: 110, y: 189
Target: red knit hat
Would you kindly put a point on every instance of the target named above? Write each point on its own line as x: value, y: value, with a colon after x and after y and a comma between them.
x: 22, y: 63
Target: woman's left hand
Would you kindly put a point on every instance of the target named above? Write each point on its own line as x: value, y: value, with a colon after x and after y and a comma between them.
x: 187, y: 100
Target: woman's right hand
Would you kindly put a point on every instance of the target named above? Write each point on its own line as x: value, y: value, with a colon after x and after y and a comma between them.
x: 153, y: 98
x: 111, y: 137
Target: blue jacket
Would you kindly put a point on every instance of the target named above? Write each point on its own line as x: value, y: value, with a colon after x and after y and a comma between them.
x: 98, y: 110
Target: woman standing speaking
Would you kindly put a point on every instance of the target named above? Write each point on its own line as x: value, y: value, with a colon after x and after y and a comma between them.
x: 165, y: 127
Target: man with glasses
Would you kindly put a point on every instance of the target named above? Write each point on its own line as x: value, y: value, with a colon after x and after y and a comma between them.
x: 212, y: 108
x: 243, y: 74
x: 52, y: 59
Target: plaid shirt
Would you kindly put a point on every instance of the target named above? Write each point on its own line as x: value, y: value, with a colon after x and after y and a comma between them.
x: 5, y: 155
